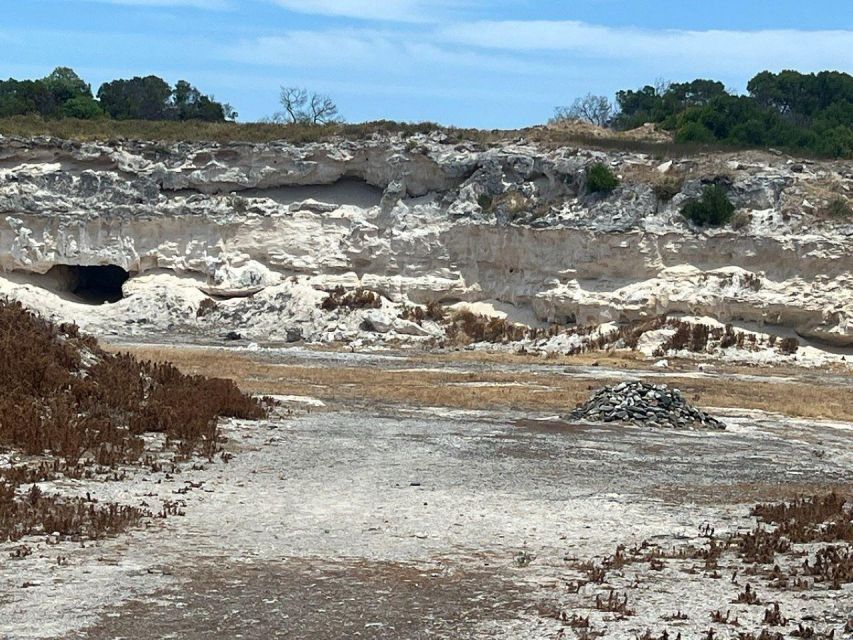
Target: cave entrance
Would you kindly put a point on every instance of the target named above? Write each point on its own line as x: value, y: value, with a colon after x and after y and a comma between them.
x: 91, y: 284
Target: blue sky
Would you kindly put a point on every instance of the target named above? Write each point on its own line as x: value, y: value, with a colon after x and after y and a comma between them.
x: 496, y: 63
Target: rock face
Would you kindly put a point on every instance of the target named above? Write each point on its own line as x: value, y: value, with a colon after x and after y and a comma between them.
x: 267, y: 229
x: 645, y: 405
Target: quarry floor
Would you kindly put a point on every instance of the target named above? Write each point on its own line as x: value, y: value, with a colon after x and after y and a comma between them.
x: 443, y: 497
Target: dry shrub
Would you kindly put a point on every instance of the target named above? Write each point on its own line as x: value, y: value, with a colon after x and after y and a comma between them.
x: 810, y: 519
x: 37, y: 513
x: 432, y: 311
x: 467, y: 327
x: 702, y: 338
x: 53, y: 401
x: 357, y: 299
x: 205, y: 307
x: 667, y: 188
x: 789, y: 346
x: 65, y: 396
x: 740, y: 220
x: 838, y: 208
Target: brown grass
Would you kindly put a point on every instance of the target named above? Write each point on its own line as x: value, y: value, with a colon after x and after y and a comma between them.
x: 62, y: 393
x: 225, y: 132
x: 78, y: 407
x: 546, y: 391
x: 355, y: 299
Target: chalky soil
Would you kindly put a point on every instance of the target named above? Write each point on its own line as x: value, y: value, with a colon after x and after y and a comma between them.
x: 413, y: 523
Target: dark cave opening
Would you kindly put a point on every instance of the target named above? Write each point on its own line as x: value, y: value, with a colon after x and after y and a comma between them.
x: 92, y: 284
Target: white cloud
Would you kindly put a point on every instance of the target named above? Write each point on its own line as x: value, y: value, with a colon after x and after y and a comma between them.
x: 715, y: 49
x: 379, y: 10
x: 372, y: 50
x: 199, y: 4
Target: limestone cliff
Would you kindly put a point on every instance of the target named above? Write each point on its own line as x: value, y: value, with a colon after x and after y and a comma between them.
x: 268, y: 229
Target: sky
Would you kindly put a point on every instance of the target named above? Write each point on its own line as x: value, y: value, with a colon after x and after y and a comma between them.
x: 479, y: 63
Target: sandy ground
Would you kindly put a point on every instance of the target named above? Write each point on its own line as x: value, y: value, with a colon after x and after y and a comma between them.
x: 396, y: 521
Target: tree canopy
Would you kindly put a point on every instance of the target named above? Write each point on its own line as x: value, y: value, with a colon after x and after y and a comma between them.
x: 788, y: 109
x: 63, y: 94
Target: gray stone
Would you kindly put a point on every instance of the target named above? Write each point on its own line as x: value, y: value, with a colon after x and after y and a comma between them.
x: 645, y: 404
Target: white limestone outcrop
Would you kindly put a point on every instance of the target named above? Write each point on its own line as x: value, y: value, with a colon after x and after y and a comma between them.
x: 265, y: 230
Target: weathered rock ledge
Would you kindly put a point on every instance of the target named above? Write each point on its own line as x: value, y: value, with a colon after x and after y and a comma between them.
x: 274, y: 226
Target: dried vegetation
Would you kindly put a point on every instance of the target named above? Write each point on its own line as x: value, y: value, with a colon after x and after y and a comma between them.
x: 543, y: 390
x: 78, y: 409
x: 339, y: 297
x: 807, y: 542
x: 465, y: 327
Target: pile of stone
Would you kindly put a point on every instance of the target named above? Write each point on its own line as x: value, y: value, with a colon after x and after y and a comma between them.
x: 647, y: 405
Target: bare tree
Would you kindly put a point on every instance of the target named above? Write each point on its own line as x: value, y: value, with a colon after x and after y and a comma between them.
x: 662, y: 85
x: 597, y: 110
x: 306, y: 108
x: 293, y: 100
x: 323, y: 110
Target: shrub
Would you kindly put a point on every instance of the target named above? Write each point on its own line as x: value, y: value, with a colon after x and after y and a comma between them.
x: 713, y: 209
x: 740, y: 221
x: 63, y: 394
x: 694, y: 132
x: 357, y: 299
x: 53, y: 400
x: 600, y: 179
x: 469, y: 327
x: 839, y: 208
x: 432, y: 311
x: 510, y: 202
x: 205, y: 307
x: 667, y: 189
x: 789, y: 346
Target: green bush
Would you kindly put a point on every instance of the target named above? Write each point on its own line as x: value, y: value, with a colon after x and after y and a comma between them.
x: 714, y: 209
x: 694, y: 132
x: 485, y: 201
x: 787, y: 110
x: 83, y: 108
x: 600, y: 179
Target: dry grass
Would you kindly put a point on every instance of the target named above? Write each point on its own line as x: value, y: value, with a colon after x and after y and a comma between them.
x: 618, y: 359
x: 62, y: 393
x: 78, y: 408
x: 546, y: 391
x: 225, y: 132
x: 381, y: 386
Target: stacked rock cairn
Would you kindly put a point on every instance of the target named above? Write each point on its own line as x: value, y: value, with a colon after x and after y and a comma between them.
x: 643, y: 404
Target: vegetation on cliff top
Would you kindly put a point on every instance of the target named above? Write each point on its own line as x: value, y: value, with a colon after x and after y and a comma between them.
x: 63, y: 94
x: 809, y: 114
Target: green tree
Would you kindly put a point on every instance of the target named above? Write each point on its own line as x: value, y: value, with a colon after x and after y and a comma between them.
x: 66, y: 85
x: 83, y: 107
x: 138, y: 98
x: 191, y: 104
x: 714, y: 209
x: 600, y: 179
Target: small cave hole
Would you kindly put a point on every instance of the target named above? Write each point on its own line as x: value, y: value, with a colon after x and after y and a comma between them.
x: 91, y: 284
